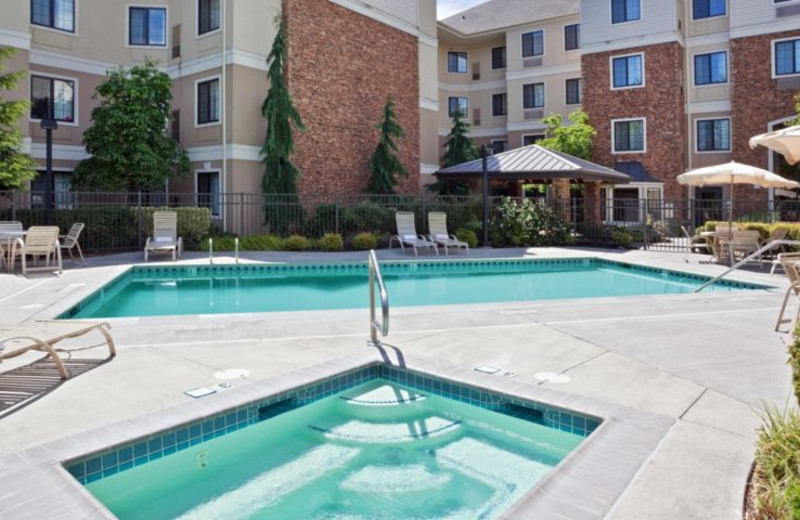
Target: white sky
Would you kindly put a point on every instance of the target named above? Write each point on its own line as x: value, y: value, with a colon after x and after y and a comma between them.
x: 446, y: 8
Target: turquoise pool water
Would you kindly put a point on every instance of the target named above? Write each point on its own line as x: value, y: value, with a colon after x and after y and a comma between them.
x: 378, y: 450
x: 159, y: 291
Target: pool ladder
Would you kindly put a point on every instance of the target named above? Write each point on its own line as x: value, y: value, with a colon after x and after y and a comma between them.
x: 376, y: 326
x: 750, y: 257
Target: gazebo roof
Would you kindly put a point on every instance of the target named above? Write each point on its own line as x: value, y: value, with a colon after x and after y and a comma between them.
x: 535, y: 163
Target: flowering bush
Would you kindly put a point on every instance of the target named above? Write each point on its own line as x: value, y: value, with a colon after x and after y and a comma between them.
x: 526, y: 223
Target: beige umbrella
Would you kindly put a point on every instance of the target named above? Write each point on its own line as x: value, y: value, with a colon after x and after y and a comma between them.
x: 734, y: 173
x: 785, y: 141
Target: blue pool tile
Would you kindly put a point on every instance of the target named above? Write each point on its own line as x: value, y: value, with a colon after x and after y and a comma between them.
x: 93, y: 465
x: 183, y: 445
x: 182, y: 435
x: 169, y: 440
x: 219, y: 424
x: 111, y: 471
x: 154, y: 445
x: 125, y: 454
x: 156, y: 455
x: 125, y: 466
x: 140, y: 450
x: 170, y: 450
x: 110, y: 460
x: 140, y: 460
x: 78, y: 470
x: 93, y: 477
x: 208, y: 427
x: 194, y: 431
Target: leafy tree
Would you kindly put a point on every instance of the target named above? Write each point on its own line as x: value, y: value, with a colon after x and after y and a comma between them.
x: 574, y: 139
x: 130, y: 150
x: 384, y: 164
x: 459, y: 147
x: 15, y: 167
x: 281, y: 115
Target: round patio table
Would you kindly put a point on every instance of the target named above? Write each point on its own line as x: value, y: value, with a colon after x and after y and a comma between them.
x: 724, y: 237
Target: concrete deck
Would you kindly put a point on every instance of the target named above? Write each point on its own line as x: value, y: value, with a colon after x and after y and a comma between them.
x: 710, y: 361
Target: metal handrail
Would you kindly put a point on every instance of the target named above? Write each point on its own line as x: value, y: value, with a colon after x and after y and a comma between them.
x: 374, y: 325
x: 750, y: 257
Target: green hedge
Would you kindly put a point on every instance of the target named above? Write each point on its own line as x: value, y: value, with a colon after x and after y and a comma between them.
x: 764, y: 228
x: 116, y: 228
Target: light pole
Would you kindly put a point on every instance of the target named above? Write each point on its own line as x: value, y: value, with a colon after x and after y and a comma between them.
x: 48, y: 125
x: 485, y: 168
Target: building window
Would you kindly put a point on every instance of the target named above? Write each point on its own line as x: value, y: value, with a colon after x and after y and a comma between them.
x: 533, y: 95
x: 628, y: 71
x: 208, y: 192
x: 708, y: 8
x: 208, y: 16
x: 52, y: 99
x: 498, y: 58
x: 572, y: 37
x: 714, y: 135
x: 208, y: 102
x: 629, y: 135
x: 499, y: 105
x: 533, y: 44
x: 458, y: 105
x: 457, y: 62
x: 787, y: 57
x: 711, y: 68
x: 147, y: 26
x: 574, y: 94
x: 499, y: 146
x: 56, y: 14
x: 625, y: 11
x: 528, y: 140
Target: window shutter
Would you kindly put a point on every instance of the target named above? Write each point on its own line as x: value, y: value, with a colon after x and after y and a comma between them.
x: 176, y: 41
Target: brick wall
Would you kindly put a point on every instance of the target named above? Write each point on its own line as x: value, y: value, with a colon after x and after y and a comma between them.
x: 661, y: 101
x: 342, y: 66
x: 756, y: 99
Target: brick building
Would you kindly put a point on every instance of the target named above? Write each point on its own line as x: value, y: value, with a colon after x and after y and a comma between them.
x: 346, y: 57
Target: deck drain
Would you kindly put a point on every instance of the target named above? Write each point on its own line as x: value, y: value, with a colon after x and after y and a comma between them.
x: 487, y: 369
x: 552, y: 377
x: 232, y: 373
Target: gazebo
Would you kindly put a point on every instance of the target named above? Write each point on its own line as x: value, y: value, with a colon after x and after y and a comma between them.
x: 536, y: 164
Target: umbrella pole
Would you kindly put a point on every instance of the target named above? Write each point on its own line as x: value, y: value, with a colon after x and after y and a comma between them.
x: 730, y: 209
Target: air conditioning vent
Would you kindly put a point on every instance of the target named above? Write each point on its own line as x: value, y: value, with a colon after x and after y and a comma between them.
x: 476, y: 71
x: 476, y: 116
x: 176, y: 41
x: 532, y: 62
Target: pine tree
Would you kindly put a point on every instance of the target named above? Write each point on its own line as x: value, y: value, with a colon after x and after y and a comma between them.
x: 459, y: 147
x: 384, y: 163
x: 16, y: 168
x: 281, y: 115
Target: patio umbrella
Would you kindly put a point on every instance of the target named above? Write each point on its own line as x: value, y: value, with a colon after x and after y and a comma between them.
x: 734, y: 173
x: 785, y: 141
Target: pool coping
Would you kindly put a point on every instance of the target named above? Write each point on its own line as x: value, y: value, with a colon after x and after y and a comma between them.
x: 586, y: 484
x: 58, y: 309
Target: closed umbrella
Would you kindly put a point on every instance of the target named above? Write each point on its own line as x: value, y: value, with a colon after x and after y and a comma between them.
x: 735, y: 173
x: 785, y: 141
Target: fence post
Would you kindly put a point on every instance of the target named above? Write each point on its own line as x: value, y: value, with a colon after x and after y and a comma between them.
x: 424, y: 220
x: 13, y: 205
x: 139, y: 219
x: 336, y: 204
x: 241, y: 213
x: 645, y: 208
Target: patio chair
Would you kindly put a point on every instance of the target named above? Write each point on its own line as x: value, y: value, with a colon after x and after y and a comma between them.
x: 165, y: 237
x: 10, y: 230
x: 791, y: 265
x: 407, y: 234
x: 696, y: 243
x: 782, y: 259
x: 70, y: 241
x: 40, y: 241
x: 44, y: 335
x: 437, y: 225
x: 777, y: 234
x: 746, y: 243
x: 721, y: 250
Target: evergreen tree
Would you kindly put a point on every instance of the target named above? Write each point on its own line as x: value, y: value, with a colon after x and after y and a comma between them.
x: 575, y: 139
x: 459, y: 147
x: 130, y: 151
x: 16, y: 168
x: 384, y: 163
x: 281, y: 115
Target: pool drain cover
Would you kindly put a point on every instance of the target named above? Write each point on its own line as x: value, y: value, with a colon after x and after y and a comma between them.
x: 487, y: 369
x: 232, y: 373
x: 552, y: 377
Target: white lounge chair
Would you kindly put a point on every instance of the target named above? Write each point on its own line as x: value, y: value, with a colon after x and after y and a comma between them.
x: 791, y: 265
x: 745, y: 243
x: 70, y: 241
x: 437, y: 225
x: 44, y: 335
x: 165, y: 237
x: 10, y: 231
x: 40, y: 241
x: 407, y: 234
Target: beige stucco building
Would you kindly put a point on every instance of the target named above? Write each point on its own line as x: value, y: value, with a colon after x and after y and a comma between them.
x: 215, y: 51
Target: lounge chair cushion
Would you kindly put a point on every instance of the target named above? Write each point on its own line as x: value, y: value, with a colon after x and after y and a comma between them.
x: 410, y: 237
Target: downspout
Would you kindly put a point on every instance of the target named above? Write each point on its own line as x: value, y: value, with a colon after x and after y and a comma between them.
x: 690, y: 137
x: 224, y: 109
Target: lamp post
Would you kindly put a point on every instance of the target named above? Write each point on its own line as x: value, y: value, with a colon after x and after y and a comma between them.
x: 48, y: 125
x: 485, y: 168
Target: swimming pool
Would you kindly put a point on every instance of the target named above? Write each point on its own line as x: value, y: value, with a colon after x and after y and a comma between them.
x: 379, y: 442
x: 222, y: 289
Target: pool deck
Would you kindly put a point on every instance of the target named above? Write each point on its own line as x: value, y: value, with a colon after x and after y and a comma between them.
x: 708, y: 361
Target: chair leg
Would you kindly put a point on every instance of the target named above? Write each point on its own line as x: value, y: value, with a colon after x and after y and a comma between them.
x: 783, y: 309
x: 58, y: 258
x: 80, y: 253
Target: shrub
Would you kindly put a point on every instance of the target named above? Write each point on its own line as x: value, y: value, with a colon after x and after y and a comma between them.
x: 468, y: 236
x: 296, y: 243
x: 365, y: 241
x: 621, y: 238
x: 527, y: 223
x: 774, y: 491
x: 323, y: 220
x: 368, y: 217
x: 331, y: 242
x: 226, y: 242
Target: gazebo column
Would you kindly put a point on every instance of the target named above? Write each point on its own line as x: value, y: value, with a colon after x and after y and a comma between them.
x: 561, y: 196
x: 592, y: 207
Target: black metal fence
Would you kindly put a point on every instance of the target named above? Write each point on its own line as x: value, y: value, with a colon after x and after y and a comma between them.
x: 122, y: 221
